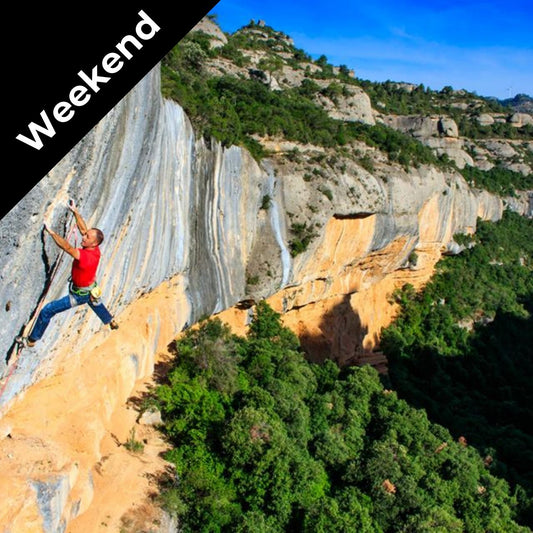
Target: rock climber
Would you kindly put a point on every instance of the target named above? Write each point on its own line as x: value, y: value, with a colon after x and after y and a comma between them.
x: 83, y: 288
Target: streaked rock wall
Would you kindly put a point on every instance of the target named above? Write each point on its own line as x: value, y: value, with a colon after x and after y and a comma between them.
x: 167, y: 204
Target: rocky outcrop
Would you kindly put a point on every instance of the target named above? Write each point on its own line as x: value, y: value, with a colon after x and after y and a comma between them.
x: 440, y: 133
x: 521, y: 119
x: 422, y: 126
x: 485, y: 119
x: 448, y: 127
x: 353, y: 106
x: 217, y: 37
x: 193, y: 229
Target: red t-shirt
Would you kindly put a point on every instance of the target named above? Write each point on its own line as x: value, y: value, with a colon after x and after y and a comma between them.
x: 84, y: 269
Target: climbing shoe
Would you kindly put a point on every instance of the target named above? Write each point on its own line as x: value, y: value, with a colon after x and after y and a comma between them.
x: 25, y: 342
x: 113, y: 324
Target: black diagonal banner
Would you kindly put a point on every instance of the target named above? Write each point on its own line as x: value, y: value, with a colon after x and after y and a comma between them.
x: 66, y: 67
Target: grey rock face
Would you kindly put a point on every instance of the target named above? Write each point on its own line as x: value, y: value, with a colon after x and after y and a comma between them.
x: 422, y: 127
x: 51, y: 497
x: 521, y: 119
x: 442, y: 135
x: 355, y: 107
x: 217, y: 36
x: 416, y: 125
x: 167, y: 204
x: 485, y: 119
x: 448, y: 127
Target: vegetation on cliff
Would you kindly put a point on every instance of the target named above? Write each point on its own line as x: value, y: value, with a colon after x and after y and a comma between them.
x: 266, y: 441
x: 230, y: 97
x: 498, y: 180
x: 236, y: 110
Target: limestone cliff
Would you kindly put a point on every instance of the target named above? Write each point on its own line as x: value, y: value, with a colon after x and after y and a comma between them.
x: 192, y: 229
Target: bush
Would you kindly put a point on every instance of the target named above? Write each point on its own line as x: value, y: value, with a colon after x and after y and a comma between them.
x: 498, y: 180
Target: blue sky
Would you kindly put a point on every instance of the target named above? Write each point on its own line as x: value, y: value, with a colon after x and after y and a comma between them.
x: 482, y: 46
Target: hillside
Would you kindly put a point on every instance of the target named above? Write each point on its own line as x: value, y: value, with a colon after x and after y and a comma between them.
x: 521, y: 103
x: 254, y: 87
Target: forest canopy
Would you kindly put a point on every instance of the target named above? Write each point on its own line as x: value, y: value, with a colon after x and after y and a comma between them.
x: 264, y: 440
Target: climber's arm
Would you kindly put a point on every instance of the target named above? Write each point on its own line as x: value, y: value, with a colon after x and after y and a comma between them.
x: 82, y: 226
x: 63, y: 243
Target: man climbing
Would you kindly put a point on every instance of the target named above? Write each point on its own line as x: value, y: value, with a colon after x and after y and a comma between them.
x: 83, y: 288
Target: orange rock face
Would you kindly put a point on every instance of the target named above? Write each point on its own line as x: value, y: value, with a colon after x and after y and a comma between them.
x: 340, y: 307
x: 342, y: 299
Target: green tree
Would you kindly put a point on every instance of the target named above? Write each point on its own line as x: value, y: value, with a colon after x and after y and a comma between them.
x: 474, y: 381
x: 272, y: 65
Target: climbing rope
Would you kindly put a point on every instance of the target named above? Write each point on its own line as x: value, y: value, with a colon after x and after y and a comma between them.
x: 15, y: 352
